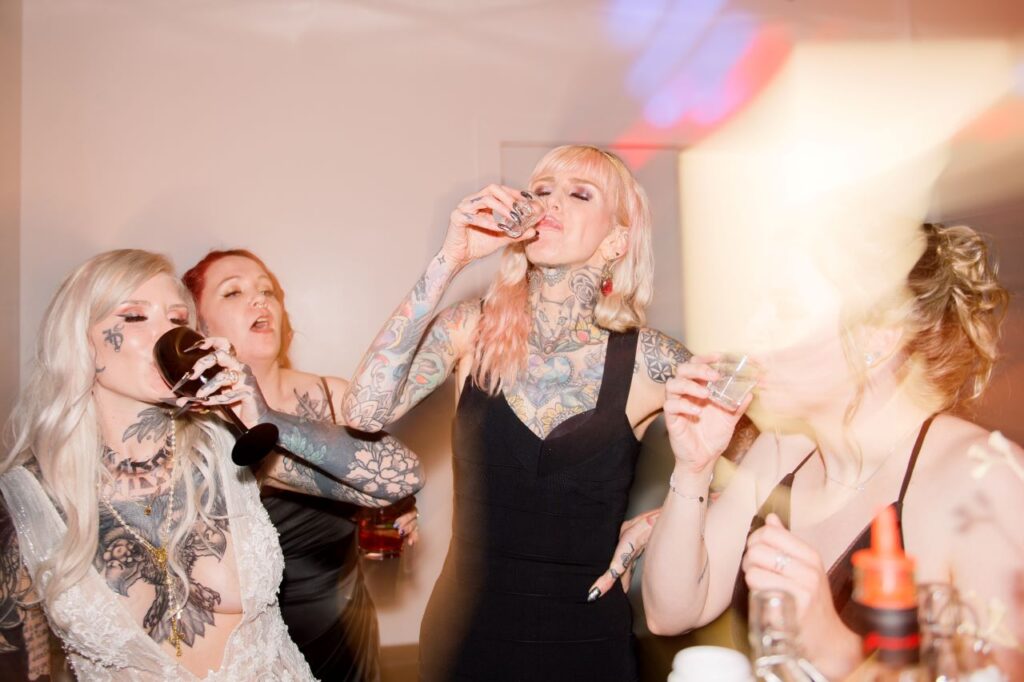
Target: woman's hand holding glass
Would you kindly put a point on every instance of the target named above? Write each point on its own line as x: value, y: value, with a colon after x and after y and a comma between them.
x: 699, y: 429
x: 776, y: 559
x: 489, y: 219
x: 232, y: 386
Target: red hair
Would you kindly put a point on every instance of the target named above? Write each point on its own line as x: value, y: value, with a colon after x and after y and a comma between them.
x: 195, y: 281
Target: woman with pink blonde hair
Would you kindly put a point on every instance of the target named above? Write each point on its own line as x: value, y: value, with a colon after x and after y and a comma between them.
x: 558, y: 381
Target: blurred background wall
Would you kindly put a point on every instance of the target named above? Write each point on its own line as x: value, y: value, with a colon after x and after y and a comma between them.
x: 333, y: 137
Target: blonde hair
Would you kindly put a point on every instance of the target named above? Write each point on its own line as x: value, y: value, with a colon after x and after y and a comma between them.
x: 55, y: 419
x: 500, y: 346
x: 957, y: 310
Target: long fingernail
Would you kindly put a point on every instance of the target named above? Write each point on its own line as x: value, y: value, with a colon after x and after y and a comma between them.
x: 195, y: 346
x: 526, y: 194
x: 180, y: 411
x: 182, y: 381
x: 594, y: 594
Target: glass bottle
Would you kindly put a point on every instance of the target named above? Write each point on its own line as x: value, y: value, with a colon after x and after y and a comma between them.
x: 773, y: 639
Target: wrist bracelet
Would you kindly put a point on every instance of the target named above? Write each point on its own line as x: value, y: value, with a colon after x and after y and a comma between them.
x: 696, y: 498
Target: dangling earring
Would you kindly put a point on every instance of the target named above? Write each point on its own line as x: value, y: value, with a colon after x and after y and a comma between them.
x: 869, y: 359
x: 606, y: 279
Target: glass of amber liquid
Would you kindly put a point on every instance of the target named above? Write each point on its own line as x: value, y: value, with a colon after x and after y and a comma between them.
x: 377, y: 536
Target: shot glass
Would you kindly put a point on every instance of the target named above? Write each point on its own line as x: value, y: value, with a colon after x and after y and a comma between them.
x: 738, y: 376
x: 525, y: 214
x: 377, y: 536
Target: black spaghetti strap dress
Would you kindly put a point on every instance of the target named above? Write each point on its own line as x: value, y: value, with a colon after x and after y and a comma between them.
x: 840, y: 574
x: 324, y: 600
x: 536, y: 521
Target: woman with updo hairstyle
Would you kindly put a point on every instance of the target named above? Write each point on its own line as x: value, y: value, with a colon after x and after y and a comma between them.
x: 558, y: 379
x: 861, y: 414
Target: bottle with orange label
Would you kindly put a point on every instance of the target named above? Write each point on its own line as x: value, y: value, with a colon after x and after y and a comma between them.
x: 885, y: 590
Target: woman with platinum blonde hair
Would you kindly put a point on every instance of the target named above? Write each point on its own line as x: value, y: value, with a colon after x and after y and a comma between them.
x: 558, y: 380
x: 150, y: 553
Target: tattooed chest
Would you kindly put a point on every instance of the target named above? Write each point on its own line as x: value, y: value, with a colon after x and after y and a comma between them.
x: 137, y: 562
x: 555, y: 388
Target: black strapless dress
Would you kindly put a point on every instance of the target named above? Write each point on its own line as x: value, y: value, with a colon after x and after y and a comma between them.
x: 535, y: 523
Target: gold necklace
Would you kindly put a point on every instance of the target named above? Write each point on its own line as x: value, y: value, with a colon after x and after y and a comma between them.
x: 159, y: 554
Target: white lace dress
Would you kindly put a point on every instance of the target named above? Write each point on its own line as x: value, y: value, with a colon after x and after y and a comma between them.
x: 102, y: 639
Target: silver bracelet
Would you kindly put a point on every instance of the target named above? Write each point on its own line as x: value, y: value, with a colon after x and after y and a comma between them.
x: 695, y: 498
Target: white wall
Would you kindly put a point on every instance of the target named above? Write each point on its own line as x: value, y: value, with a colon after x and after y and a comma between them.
x: 10, y: 198
x: 333, y: 138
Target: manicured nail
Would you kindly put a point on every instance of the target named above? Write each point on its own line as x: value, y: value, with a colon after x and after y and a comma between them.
x: 195, y: 346
x: 182, y: 381
x: 526, y: 194
x: 593, y: 595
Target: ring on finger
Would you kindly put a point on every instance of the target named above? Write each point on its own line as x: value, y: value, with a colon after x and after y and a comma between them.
x: 233, y: 376
x: 781, y: 561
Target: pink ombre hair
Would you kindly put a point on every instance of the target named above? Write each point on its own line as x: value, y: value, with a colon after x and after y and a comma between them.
x: 499, y: 354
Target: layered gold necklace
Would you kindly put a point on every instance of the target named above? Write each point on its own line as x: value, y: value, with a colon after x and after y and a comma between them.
x: 159, y: 554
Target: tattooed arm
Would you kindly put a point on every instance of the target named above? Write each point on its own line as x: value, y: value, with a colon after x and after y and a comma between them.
x: 396, y: 372
x: 24, y: 636
x: 381, y: 470
x: 334, y: 461
x: 399, y: 369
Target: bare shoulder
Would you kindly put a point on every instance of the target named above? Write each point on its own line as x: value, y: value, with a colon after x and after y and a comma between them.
x: 966, y: 494
x: 306, y: 397
x: 657, y: 355
x: 960, y: 460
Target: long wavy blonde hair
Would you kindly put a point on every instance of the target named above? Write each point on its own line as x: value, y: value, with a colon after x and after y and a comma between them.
x: 500, y: 347
x: 55, y: 420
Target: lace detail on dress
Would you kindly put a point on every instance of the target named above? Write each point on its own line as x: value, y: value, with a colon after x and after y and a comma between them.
x: 101, y: 638
x: 260, y: 558
x: 85, y: 622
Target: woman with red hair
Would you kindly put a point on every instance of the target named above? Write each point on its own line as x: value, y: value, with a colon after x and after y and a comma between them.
x: 558, y: 381
x: 324, y: 600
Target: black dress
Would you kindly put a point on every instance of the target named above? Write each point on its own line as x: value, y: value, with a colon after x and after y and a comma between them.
x: 324, y: 601
x: 840, y: 574
x: 535, y: 524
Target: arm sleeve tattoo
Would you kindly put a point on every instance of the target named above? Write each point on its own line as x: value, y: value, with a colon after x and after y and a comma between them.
x: 399, y: 369
x: 337, y: 462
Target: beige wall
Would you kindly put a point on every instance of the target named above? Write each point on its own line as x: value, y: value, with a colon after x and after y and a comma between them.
x: 10, y: 199
x: 334, y: 138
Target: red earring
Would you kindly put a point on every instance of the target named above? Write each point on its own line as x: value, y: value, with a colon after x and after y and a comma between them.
x: 606, y: 280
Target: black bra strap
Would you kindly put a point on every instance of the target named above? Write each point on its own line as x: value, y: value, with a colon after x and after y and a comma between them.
x: 329, y: 398
x: 913, y: 458
x: 619, y: 361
